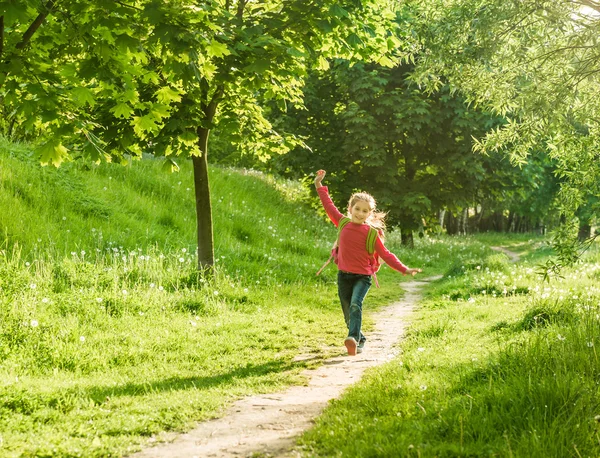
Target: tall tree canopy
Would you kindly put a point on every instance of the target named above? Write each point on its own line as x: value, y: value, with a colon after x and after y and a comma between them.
x: 538, y: 64
x: 375, y: 130
x: 104, y: 79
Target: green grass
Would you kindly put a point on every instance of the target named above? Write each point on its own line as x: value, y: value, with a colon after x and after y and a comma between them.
x: 107, y: 335
x: 108, y: 338
x: 497, y: 364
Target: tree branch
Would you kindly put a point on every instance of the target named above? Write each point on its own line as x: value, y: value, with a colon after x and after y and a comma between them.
x: 128, y: 6
x: 35, y: 25
x: 240, y: 9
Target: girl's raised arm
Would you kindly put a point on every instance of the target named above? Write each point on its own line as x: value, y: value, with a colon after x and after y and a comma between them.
x: 319, y: 178
x: 334, y: 214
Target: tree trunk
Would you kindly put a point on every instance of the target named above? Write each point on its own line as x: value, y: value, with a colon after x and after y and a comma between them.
x: 407, y: 238
x: 451, y: 223
x: 585, y: 232
x: 511, y: 222
x: 463, y: 222
x: 441, y: 215
x: 479, y: 219
x: 206, y: 255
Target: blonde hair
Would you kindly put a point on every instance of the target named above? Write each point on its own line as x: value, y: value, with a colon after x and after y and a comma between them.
x: 376, y: 219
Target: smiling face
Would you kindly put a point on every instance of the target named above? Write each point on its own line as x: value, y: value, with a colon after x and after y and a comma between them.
x: 360, y: 211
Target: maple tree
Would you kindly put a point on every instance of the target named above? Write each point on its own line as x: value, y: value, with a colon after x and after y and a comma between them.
x: 111, y: 80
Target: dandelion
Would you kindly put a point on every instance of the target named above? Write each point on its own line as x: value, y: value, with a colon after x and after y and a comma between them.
x: 45, y: 300
x: 193, y: 323
x: 561, y: 338
x: 181, y: 259
x: 423, y: 387
x: 590, y: 344
x: 245, y: 290
x: 82, y: 338
x: 33, y: 286
x: 27, y: 264
x: 64, y: 218
x: 152, y: 285
x: 420, y: 349
x: 124, y: 292
x: 34, y: 323
x: 184, y: 250
x: 82, y: 253
x: 160, y: 288
x: 216, y: 293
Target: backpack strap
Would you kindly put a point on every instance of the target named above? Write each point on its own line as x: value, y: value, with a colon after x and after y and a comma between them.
x: 341, y: 224
x: 371, y: 239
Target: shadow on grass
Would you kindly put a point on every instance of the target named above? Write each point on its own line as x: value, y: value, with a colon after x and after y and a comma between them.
x: 194, y: 382
x: 26, y: 402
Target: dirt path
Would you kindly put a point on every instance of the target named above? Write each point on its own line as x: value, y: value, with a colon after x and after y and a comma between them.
x: 514, y: 257
x: 269, y: 424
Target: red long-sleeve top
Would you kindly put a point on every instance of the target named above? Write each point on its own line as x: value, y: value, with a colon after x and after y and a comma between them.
x: 353, y: 256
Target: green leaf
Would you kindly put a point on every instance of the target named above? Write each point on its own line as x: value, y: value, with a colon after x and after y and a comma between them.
x: 144, y: 124
x: 322, y: 63
x: 338, y: 11
x: 122, y: 110
x: 167, y: 95
x: 53, y: 152
x: 354, y: 41
x: 82, y: 96
x: 295, y: 52
x: 188, y: 138
x: 216, y: 49
x: 387, y: 62
x: 170, y: 165
x: 258, y: 66
x: 159, y: 111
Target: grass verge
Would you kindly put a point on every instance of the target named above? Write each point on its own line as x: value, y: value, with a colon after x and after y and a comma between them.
x: 497, y: 364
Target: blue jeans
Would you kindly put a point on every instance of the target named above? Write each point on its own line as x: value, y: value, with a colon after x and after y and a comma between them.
x: 352, y: 289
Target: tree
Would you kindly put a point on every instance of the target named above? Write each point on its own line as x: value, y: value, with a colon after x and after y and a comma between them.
x: 378, y: 132
x: 534, y: 62
x: 109, y: 79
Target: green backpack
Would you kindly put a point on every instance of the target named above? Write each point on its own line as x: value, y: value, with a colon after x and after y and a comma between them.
x: 371, y: 239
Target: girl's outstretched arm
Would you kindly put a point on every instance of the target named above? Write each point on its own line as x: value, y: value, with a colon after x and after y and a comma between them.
x: 392, y: 260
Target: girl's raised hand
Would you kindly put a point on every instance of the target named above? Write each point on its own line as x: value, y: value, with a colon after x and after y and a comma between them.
x: 319, y: 178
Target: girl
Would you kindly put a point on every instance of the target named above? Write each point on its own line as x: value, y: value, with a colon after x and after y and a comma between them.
x: 354, y: 262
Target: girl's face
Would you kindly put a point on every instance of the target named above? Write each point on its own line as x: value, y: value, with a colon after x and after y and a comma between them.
x: 360, y: 211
